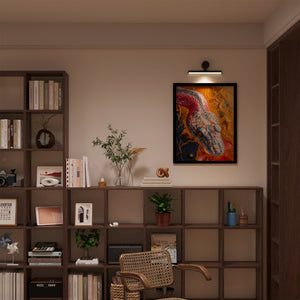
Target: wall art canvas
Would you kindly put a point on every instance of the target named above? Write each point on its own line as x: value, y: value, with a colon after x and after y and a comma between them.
x: 205, y: 123
x: 8, y: 211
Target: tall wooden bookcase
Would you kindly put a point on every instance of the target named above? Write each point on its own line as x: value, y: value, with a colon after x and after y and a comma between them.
x: 284, y: 166
x: 233, y: 254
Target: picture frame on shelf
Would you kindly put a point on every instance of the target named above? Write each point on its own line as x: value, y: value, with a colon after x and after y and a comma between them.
x: 83, y: 214
x: 49, y: 215
x: 204, y: 123
x: 49, y: 176
x: 8, y: 211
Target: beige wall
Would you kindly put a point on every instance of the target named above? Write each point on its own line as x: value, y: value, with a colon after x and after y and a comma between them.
x: 132, y: 89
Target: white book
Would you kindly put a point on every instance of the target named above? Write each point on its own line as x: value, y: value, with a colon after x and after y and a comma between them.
x: 161, y: 179
x: 75, y: 286
x: 156, y: 184
x: 86, y: 168
x: 18, y: 283
x: 36, y: 93
x: 17, y: 134
x: 4, y: 130
x: 22, y: 286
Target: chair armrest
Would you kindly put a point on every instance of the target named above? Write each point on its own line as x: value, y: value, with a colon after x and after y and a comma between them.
x: 194, y: 267
x: 137, y: 276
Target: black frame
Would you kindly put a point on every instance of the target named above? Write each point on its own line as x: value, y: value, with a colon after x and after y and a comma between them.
x: 217, y: 152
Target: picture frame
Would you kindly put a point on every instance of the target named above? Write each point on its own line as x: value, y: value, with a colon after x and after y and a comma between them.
x: 8, y: 211
x: 49, y: 215
x: 83, y: 214
x: 204, y: 123
x: 49, y: 176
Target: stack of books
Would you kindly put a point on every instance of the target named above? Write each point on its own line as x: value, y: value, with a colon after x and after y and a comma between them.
x: 156, y: 181
x: 45, y: 256
x: 85, y: 286
x: 77, y: 172
x: 10, y: 134
x: 45, y: 95
x: 11, y: 285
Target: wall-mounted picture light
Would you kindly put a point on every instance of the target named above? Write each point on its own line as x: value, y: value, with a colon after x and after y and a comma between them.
x: 205, y: 66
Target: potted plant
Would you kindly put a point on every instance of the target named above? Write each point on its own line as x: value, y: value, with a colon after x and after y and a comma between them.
x: 163, y: 208
x: 86, y: 240
x: 118, y: 152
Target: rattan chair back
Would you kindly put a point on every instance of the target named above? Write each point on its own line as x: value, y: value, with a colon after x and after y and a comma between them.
x: 155, y: 265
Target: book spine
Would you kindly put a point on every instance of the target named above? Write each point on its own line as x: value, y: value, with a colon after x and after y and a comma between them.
x: 94, y: 287
x: 80, y: 287
x: 90, y: 287
x: 56, y: 95
x: 70, y: 287
x: 85, y: 287
x: 22, y: 286
x: 17, y: 138
x: 51, y: 94
x: 11, y: 134
x: 36, y: 87
x: 67, y: 172
x: 46, y: 95
x: 59, y: 95
x: 31, y: 96
x: 41, y: 94
x: 99, y: 287
x: 74, y: 172
x: 4, y: 125
x: 75, y: 286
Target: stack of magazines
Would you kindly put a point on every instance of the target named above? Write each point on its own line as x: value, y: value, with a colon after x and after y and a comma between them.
x: 156, y: 181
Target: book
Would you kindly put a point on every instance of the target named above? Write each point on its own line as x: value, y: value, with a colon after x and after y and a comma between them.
x: 46, y: 95
x: 94, y: 287
x: 56, y: 95
x: 86, y: 170
x: 80, y: 287
x: 59, y: 95
x: 17, y: 136
x: 41, y: 94
x: 44, y: 260
x: 4, y: 129
x: 51, y: 94
x: 70, y: 287
x: 85, y: 287
x: 31, y: 103
x: 75, y: 286
x: 36, y: 93
x: 90, y: 287
x: 99, y: 287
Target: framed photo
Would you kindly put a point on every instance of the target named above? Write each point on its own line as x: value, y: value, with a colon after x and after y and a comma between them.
x: 204, y: 128
x: 83, y: 214
x: 49, y: 215
x: 8, y: 211
x: 49, y: 176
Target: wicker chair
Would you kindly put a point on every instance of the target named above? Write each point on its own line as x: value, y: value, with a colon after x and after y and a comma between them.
x: 151, y: 270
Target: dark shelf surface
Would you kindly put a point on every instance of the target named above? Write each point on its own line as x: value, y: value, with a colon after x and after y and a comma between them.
x: 249, y: 226
x: 72, y: 265
x: 241, y: 264
x: 39, y: 111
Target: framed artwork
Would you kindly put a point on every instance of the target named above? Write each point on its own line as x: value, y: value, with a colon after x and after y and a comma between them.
x: 8, y: 211
x: 49, y: 176
x: 204, y: 128
x: 83, y: 214
x: 49, y: 215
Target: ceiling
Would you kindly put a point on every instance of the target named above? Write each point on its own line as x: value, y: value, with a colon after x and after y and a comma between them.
x: 137, y: 11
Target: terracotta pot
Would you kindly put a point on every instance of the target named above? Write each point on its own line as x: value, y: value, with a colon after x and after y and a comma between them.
x: 163, y: 219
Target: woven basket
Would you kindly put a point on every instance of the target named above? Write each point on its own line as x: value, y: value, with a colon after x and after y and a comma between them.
x: 117, y: 292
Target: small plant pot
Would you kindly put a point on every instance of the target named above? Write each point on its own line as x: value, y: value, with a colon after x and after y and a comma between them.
x: 163, y: 219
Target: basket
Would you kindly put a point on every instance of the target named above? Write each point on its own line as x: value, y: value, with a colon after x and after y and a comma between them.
x: 117, y: 292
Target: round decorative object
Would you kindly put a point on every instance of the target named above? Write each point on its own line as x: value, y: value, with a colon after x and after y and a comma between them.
x: 48, y: 181
x: 162, y: 172
x: 45, y: 139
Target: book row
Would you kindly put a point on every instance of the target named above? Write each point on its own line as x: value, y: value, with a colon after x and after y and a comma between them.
x: 10, y: 134
x: 11, y: 285
x: 85, y: 286
x: 45, y: 95
x: 77, y: 172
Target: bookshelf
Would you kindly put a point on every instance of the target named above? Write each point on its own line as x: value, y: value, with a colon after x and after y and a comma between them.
x: 283, y: 166
x: 232, y: 254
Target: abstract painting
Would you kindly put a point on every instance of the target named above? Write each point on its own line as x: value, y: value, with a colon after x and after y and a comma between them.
x: 204, y: 123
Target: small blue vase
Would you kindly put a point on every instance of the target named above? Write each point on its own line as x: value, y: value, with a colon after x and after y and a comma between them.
x: 231, y: 218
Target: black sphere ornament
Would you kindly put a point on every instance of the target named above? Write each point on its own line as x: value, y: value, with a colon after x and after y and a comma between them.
x: 205, y: 65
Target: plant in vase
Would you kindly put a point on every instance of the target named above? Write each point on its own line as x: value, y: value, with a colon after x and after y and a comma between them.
x: 86, y: 240
x: 118, y: 152
x: 163, y: 208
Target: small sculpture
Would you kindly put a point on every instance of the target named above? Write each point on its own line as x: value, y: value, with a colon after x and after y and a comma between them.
x: 162, y: 172
x: 12, y: 249
x: 4, y: 241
